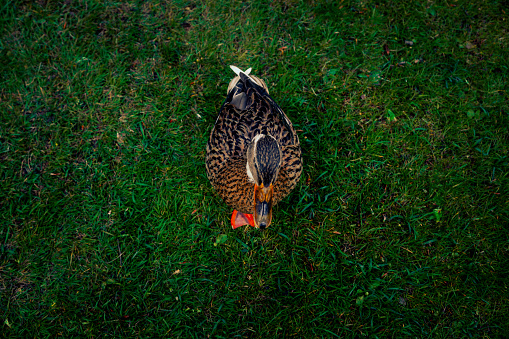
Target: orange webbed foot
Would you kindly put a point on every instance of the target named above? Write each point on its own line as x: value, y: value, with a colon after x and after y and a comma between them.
x: 241, y: 219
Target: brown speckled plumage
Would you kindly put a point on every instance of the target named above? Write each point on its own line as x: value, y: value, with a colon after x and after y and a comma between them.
x: 247, y: 112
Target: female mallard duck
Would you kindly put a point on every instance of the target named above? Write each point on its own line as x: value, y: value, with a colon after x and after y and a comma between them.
x: 253, y: 154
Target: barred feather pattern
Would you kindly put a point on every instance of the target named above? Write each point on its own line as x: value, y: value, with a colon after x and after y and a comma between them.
x: 231, y: 136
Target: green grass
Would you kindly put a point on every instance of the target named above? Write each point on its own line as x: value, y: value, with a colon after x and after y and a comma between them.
x: 398, y: 227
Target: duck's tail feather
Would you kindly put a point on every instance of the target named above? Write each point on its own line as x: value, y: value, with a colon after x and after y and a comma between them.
x: 238, y: 70
x: 245, y: 75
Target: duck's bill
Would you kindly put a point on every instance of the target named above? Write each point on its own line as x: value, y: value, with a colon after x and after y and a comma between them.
x: 263, y: 206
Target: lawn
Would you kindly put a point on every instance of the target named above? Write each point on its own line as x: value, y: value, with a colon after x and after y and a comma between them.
x: 398, y: 227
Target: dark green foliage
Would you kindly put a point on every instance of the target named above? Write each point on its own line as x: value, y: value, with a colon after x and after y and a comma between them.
x: 109, y: 226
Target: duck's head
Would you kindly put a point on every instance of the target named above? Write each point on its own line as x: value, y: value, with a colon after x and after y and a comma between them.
x: 263, y: 164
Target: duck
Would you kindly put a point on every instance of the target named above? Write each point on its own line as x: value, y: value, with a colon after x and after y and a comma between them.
x: 253, y: 156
